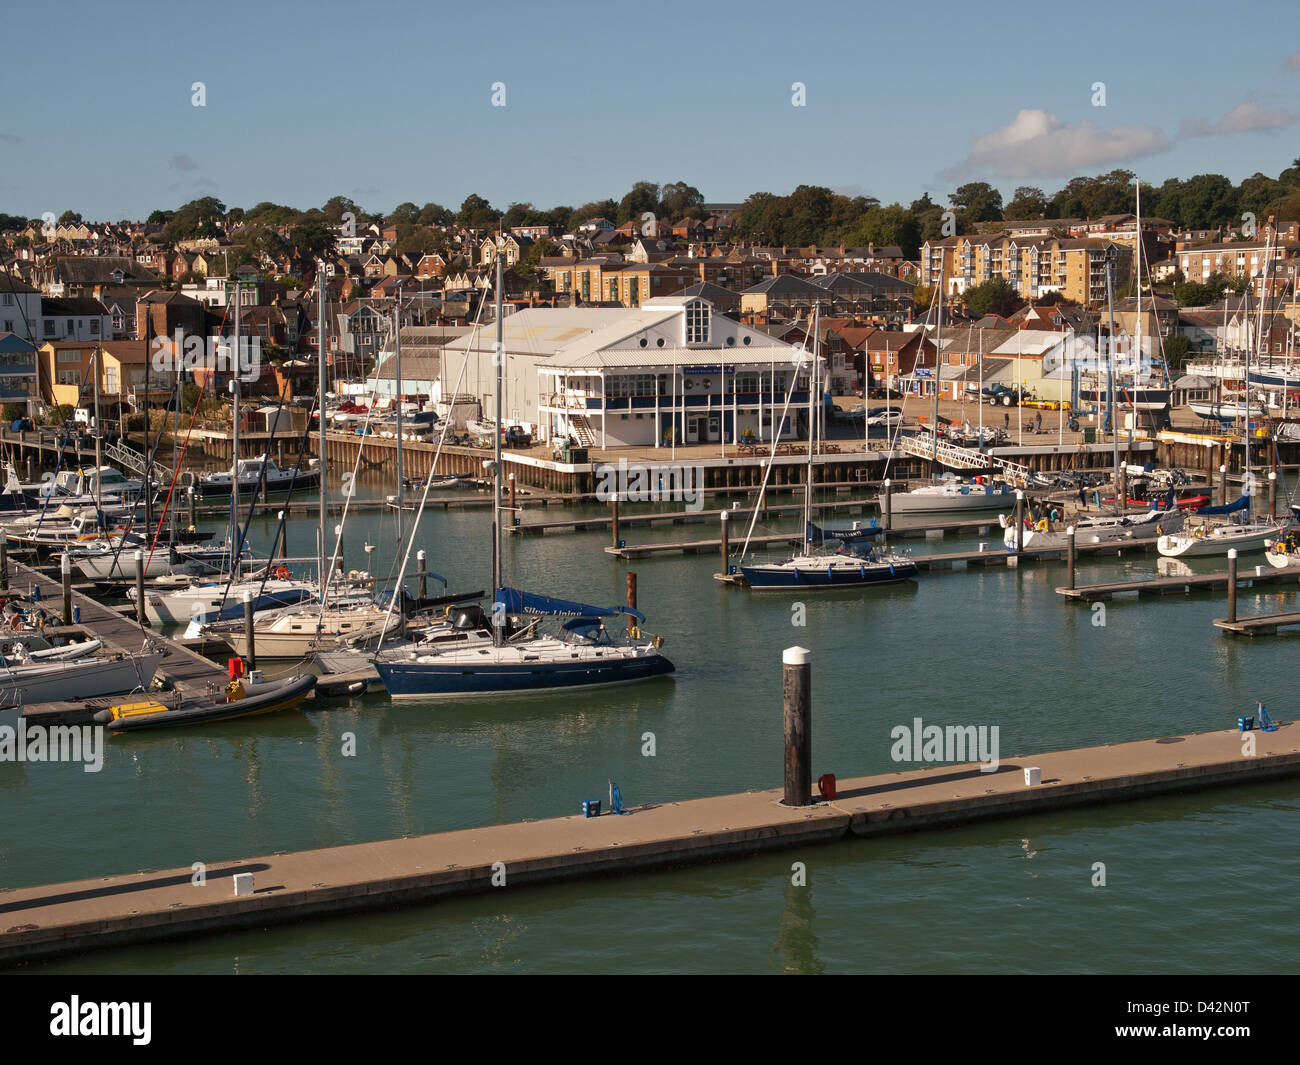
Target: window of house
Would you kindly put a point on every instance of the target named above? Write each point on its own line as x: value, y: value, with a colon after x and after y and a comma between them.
x: 68, y: 377
x: 49, y: 327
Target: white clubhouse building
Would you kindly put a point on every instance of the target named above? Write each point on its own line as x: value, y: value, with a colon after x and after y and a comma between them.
x: 670, y: 371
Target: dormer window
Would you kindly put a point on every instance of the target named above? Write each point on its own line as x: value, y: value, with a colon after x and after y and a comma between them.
x: 697, y: 322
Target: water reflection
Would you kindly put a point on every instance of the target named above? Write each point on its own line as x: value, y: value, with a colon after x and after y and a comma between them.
x: 795, y: 948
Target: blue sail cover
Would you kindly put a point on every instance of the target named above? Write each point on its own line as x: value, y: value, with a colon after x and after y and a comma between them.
x: 516, y: 602
x: 1227, y: 508
x: 815, y: 535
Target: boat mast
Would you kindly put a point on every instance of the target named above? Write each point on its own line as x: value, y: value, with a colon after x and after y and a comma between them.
x: 1137, y: 354
x: 812, y: 433
x: 499, y: 359
x: 1111, y: 255
x: 938, y: 347
x: 397, y: 360
x: 1259, y: 340
x: 235, y: 551
x: 320, y: 409
x: 99, y: 457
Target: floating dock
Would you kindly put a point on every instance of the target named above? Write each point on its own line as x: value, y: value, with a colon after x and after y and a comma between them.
x: 1259, y: 624
x: 151, y: 905
x: 1192, y: 582
x: 190, y: 673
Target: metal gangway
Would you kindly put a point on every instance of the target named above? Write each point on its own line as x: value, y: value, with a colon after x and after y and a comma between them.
x: 923, y: 446
x: 135, y: 462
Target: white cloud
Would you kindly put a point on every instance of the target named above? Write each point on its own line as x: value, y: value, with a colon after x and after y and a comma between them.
x: 1241, y: 119
x: 1038, y: 143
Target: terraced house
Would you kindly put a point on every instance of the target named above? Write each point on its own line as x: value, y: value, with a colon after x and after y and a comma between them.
x: 1074, y: 267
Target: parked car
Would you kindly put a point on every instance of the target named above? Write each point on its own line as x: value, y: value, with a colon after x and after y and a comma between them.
x: 889, y: 416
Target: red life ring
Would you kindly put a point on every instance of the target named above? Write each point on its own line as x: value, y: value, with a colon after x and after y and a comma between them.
x: 282, y: 573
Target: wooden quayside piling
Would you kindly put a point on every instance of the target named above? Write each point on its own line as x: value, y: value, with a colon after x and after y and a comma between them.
x: 796, y: 694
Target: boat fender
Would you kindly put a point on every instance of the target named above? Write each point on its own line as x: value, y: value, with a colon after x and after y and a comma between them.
x: 891, y: 569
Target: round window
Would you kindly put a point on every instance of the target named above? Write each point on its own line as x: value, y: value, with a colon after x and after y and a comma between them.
x: 660, y: 342
x: 731, y: 342
x: 745, y: 341
x: 643, y: 342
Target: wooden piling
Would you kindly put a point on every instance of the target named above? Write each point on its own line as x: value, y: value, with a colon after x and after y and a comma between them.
x: 1020, y: 520
x: 1232, y: 584
x: 139, y: 590
x: 887, y: 505
x: 422, y: 568
x: 248, y: 628
x: 725, y: 518
x: 1069, y: 553
x: 614, y: 524
x: 796, y: 692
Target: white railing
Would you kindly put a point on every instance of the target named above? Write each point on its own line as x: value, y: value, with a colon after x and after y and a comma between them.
x: 963, y: 458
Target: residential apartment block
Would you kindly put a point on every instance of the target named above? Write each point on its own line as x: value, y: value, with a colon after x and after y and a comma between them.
x: 1075, y: 266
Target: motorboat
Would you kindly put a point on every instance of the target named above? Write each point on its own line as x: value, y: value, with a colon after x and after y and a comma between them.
x: 249, y: 696
x: 254, y: 475
x: 952, y: 493
x: 1094, y: 530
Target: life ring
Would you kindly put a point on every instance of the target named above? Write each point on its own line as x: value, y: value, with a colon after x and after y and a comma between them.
x: 282, y: 573
x: 1042, y: 525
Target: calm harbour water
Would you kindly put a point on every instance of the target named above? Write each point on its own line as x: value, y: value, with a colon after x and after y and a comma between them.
x: 1192, y: 882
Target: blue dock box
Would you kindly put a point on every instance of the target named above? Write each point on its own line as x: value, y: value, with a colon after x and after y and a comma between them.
x: 590, y: 807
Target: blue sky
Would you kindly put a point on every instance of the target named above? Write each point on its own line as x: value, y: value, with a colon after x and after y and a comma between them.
x: 393, y: 102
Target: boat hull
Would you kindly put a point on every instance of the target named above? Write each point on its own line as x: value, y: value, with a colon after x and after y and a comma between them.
x: 59, y: 681
x: 799, y: 578
x: 933, y: 503
x: 426, y: 680
x: 284, y: 697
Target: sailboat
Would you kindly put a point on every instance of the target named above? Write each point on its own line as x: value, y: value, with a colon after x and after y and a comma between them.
x: 520, y: 658
x: 853, y: 566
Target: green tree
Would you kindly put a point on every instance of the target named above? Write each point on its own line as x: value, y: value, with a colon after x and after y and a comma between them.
x: 1027, y: 204
x: 977, y: 201
x: 403, y: 214
x: 435, y: 214
x: 994, y: 296
x: 70, y: 218
x: 678, y: 200
x: 337, y: 206
x: 311, y: 240
x: 641, y: 199
x: 476, y: 213
x: 1176, y: 349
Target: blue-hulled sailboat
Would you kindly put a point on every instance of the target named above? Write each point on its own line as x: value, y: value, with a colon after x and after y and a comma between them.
x: 857, y: 564
x: 519, y: 658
